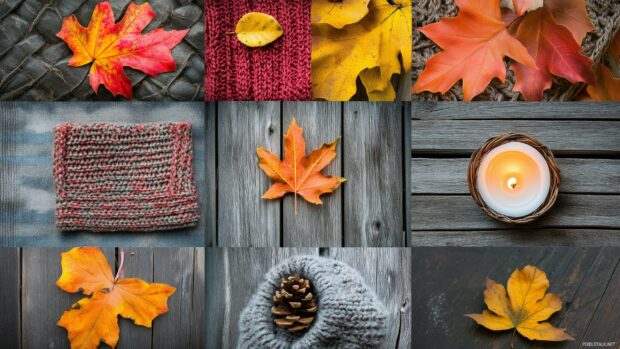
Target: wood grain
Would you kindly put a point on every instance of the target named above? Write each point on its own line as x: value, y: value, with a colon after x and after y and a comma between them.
x: 314, y: 225
x: 10, y: 279
x: 373, y: 166
x: 449, y: 282
x: 244, y: 219
x: 27, y: 198
x: 211, y: 174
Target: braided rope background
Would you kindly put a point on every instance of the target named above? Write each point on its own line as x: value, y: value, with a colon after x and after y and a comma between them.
x: 492, y: 143
x: 33, y: 61
x: 604, y: 14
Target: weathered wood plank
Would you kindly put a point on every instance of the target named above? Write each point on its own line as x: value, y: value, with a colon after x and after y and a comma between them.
x: 388, y: 272
x: 516, y: 237
x: 460, y: 212
x: 198, y: 325
x: 211, y: 174
x: 315, y: 225
x: 232, y: 276
x: 244, y: 219
x: 175, y: 267
x: 10, y: 279
x: 43, y: 303
x: 515, y: 110
x: 462, y: 137
x: 373, y: 166
x: 449, y: 282
x: 28, y: 196
x: 138, y: 264
x: 449, y: 175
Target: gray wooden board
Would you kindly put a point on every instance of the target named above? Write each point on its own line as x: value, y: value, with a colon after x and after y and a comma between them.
x: 211, y: 173
x: 449, y: 282
x: 10, y: 279
x: 367, y: 210
x: 27, y: 197
x: 233, y: 274
x: 42, y: 302
x: 584, y: 137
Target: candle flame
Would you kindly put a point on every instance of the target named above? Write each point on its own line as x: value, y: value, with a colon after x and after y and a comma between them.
x: 512, y: 182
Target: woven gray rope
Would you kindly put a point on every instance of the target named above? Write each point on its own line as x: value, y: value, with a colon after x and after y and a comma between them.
x: 604, y: 14
x: 492, y: 143
x: 350, y: 315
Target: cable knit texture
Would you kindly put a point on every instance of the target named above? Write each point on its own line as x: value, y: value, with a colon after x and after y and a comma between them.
x: 278, y: 71
x: 124, y: 178
x: 350, y: 315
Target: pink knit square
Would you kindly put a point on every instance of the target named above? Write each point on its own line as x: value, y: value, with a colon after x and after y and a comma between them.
x: 124, y: 178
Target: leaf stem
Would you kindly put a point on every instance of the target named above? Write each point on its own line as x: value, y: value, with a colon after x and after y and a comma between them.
x: 295, y: 203
x: 512, y: 340
x: 120, y: 272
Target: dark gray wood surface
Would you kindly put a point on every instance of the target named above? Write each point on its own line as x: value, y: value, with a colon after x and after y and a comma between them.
x: 449, y: 282
x: 367, y: 210
x: 27, y: 198
x: 585, y: 137
x: 233, y: 274
x: 35, y: 311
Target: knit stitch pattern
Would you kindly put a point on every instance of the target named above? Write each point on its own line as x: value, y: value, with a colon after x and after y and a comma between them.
x: 124, y: 178
x: 349, y: 317
x: 277, y: 71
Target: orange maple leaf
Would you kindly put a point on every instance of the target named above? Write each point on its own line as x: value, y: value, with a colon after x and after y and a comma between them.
x: 474, y: 44
x: 113, y: 46
x: 606, y: 87
x: 298, y: 173
x: 95, y: 319
x: 556, y: 52
x: 571, y: 14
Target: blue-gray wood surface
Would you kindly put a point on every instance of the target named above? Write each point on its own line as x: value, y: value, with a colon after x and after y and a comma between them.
x: 585, y: 138
x: 449, y: 282
x: 367, y: 210
x: 234, y: 273
x: 32, y: 303
x: 27, y: 197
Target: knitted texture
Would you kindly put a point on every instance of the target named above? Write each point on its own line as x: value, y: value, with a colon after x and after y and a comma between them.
x: 349, y: 316
x: 124, y: 178
x: 604, y: 14
x: 277, y: 71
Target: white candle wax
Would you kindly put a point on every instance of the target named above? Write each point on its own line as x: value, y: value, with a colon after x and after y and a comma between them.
x: 513, y: 179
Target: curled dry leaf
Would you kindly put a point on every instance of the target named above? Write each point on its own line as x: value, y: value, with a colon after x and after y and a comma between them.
x: 523, y: 307
x: 94, y: 319
x: 339, y: 13
x: 474, y: 44
x: 606, y: 87
x: 298, y: 173
x: 555, y: 51
x: 110, y: 46
x: 382, y: 39
x: 256, y: 29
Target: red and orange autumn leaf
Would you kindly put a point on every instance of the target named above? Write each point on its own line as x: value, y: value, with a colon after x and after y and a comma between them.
x: 94, y: 319
x: 474, y: 44
x: 572, y: 15
x: 111, y: 46
x: 298, y: 173
x: 556, y: 53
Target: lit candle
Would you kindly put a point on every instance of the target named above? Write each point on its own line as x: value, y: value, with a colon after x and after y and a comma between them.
x: 513, y: 179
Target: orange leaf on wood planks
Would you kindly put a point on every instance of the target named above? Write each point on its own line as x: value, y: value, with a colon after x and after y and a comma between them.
x: 526, y: 304
x: 298, y: 173
x: 113, y: 46
x: 474, y: 44
x: 555, y: 51
x: 95, y: 319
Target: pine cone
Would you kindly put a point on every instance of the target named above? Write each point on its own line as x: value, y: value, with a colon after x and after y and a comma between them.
x: 294, y: 304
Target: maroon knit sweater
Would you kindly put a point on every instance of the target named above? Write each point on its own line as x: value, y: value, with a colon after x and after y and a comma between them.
x: 278, y: 71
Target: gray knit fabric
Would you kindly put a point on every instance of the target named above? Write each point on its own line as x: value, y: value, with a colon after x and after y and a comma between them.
x: 350, y: 316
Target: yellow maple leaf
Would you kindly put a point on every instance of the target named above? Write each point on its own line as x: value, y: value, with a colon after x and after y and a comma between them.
x: 523, y: 307
x: 256, y: 29
x: 339, y: 14
x: 381, y: 39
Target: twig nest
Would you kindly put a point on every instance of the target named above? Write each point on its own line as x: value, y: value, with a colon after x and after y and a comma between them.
x: 347, y: 313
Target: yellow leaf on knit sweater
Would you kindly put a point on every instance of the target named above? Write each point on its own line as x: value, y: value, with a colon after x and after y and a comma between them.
x: 381, y: 39
x: 257, y: 29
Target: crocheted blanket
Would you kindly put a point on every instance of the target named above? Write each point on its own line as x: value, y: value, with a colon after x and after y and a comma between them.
x: 604, y: 14
x: 124, y: 178
x: 278, y: 71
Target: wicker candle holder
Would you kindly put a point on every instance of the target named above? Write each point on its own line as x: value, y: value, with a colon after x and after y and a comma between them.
x: 492, y: 143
